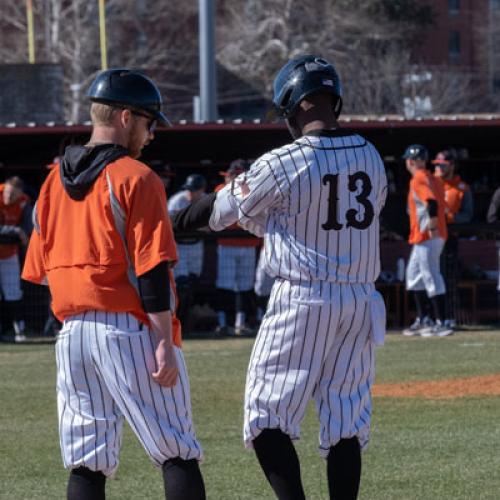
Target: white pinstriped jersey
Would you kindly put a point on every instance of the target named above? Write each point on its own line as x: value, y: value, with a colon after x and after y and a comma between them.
x: 316, y: 201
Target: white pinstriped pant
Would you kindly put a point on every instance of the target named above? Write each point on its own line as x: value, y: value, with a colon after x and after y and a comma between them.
x: 104, y: 366
x: 235, y: 268
x: 316, y: 341
x: 190, y: 259
x: 10, y: 278
x: 422, y: 270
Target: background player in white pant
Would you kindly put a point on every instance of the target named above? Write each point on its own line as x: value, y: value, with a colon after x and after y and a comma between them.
x: 189, y: 248
x: 235, y: 267
x: 426, y: 207
x: 316, y: 201
x: 104, y: 244
x: 15, y: 228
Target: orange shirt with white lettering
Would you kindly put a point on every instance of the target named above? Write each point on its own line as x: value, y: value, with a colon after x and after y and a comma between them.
x: 454, y: 192
x: 11, y: 215
x: 91, y: 251
x: 424, y: 186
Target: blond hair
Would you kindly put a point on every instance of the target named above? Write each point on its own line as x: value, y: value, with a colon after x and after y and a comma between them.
x: 102, y: 114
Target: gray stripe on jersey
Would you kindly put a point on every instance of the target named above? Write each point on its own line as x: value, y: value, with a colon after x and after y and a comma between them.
x: 120, y: 224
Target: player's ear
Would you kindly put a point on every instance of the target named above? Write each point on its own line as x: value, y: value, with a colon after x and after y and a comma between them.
x: 125, y: 117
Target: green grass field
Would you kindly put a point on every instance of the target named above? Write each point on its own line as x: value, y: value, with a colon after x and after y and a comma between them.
x: 420, y: 449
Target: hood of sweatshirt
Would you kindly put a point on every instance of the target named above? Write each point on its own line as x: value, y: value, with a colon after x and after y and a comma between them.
x: 81, y: 165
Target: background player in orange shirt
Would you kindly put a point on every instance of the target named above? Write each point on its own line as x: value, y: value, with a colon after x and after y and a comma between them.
x: 104, y: 244
x: 428, y: 233
x: 459, y: 209
x: 15, y: 228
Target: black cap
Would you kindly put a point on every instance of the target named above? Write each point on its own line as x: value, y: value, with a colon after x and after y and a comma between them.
x: 128, y: 88
x: 416, y: 152
x: 195, y: 182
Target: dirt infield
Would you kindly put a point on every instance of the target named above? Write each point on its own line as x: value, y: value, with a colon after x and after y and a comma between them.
x: 485, y: 385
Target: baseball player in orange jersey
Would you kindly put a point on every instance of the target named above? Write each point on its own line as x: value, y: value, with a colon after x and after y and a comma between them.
x: 459, y: 209
x: 316, y: 202
x: 104, y: 244
x: 426, y: 206
x: 15, y: 228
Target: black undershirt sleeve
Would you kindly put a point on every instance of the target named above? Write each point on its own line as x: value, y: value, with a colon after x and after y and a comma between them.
x: 154, y: 289
x: 432, y: 208
x: 195, y: 216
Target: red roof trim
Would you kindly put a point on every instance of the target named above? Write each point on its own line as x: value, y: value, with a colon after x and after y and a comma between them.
x: 214, y: 127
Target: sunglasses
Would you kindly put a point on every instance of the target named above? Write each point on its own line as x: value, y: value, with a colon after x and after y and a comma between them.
x: 152, y: 122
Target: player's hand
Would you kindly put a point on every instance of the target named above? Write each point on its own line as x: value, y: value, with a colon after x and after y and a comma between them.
x: 166, y: 364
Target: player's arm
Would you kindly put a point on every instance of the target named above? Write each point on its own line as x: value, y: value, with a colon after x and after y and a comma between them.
x: 427, y: 196
x: 149, y: 238
x: 247, y: 199
x: 34, y: 268
x: 432, y: 211
x: 195, y: 216
x: 154, y: 290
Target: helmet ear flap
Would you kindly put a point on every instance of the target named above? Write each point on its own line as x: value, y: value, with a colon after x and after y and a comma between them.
x: 337, y: 107
x: 285, y: 101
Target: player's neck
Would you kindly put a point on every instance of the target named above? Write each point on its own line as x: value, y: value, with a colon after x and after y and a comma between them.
x: 107, y: 135
x: 318, y: 125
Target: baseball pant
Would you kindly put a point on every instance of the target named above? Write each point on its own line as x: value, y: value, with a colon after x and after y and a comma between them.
x: 316, y: 341
x: 263, y: 282
x: 104, y: 366
x: 190, y: 259
x: 422, y: 271
x: 235, y: 268
x: 10, y: 279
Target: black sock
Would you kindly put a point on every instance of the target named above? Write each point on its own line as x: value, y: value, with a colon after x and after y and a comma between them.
x: 279, y: 461
x: 344, y: 469
x: 438, y: 304
x: 419, y: 296
x: 183, y: 480
x: 85, y: 484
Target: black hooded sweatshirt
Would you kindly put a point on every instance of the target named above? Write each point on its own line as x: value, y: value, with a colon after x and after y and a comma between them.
x: 79, y: 168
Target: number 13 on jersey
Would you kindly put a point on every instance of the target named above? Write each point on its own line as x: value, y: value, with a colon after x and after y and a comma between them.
x: 351, y: 216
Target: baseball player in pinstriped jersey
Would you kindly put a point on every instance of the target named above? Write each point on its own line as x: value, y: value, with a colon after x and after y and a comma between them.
x: 104, y: 244
x: 316, y: 202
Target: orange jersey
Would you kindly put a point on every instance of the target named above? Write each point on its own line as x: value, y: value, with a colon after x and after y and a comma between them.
x: 11, y: 215
x: 424, y: 186
x: 454, y: 191
x: 236, y: 242
x: 91, y: 251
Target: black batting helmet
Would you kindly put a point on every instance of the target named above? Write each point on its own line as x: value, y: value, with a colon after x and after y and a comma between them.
x: 195, y: 182
x: 416, y: 152
x: 301, y: 77
x: 128, y: 88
